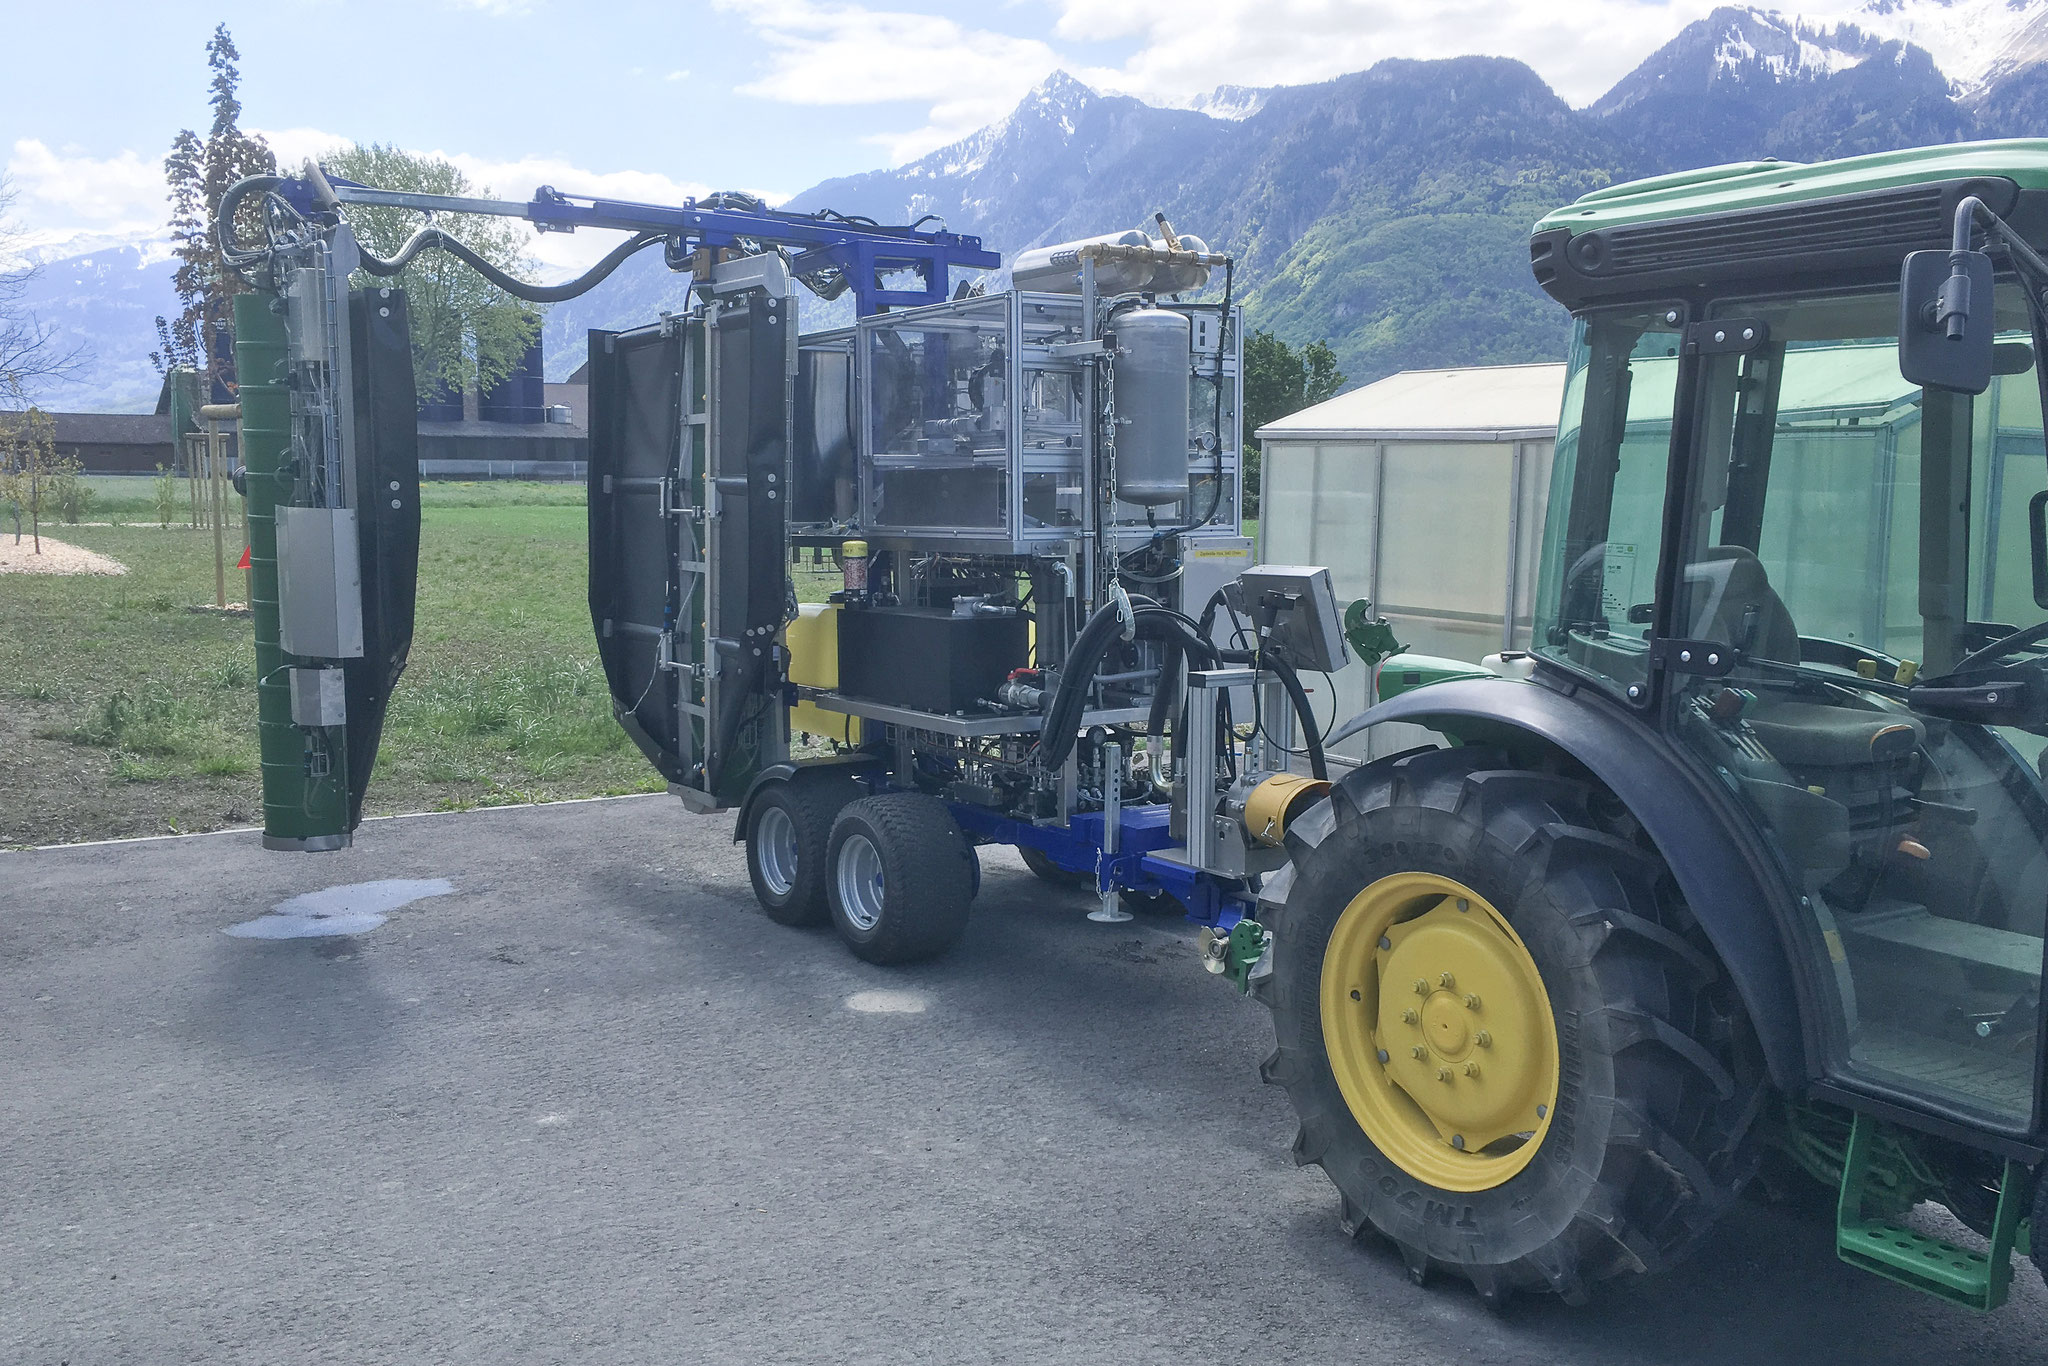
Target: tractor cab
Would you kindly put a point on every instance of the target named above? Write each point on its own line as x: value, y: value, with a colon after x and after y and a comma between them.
x: 1813, y: 576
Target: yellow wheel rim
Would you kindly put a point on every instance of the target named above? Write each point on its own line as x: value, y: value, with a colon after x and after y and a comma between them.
x: 1439, y: 1031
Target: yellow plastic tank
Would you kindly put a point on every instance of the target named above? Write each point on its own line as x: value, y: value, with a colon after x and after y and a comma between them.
x: 813, y: 644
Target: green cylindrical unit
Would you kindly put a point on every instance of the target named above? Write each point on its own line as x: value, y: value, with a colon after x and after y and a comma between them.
x: 305, y: 771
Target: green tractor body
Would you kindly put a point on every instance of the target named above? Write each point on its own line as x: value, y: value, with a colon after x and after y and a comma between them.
x: 1741, y: 873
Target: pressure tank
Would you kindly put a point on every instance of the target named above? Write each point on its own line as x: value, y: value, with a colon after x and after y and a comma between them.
x: 1179, y: 279
x: 1057, y: 269
x: 1150, y: 373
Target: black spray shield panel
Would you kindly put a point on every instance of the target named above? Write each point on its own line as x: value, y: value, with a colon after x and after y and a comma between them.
x: 387, y: 519
x: 636, y: 441
x: 750, y: 434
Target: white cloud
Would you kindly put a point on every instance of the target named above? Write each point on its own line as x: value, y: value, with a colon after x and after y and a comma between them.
x: 1580, y: 49
x: 823, y: 52
x: 835, y: 52
x: 67, y: 201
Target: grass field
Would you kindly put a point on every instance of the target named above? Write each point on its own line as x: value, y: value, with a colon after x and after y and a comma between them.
x: 128, y: 707
x: 124, y: 710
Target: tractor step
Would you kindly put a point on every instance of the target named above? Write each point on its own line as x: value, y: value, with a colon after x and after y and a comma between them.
x: 1975, y: 1280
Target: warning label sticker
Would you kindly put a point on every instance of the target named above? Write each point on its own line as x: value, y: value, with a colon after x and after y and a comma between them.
x: 1618, y: 580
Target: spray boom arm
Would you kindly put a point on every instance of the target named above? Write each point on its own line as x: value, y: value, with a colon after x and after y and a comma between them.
x: 829, y: 252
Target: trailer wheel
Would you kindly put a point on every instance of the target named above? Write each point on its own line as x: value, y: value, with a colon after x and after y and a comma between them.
x: 1066, y: 879
x: 901, y: 877
x: 787, y: 833
x: 1508, y: 1045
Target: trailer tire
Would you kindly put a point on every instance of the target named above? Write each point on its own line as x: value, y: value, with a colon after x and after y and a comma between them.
x: 1066, y: 879
x: 901, y: 879
x: 1653, y: 1070
x: 789, y: 827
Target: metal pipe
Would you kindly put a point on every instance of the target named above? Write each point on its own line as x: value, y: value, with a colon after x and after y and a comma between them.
x: 1111, y: 911
x: 1206, y: 689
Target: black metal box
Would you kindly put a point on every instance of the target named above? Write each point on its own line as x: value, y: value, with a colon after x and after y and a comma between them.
x: 926, y: 659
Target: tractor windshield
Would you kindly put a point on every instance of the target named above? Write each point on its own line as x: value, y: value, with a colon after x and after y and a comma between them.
x: 1844, y: 542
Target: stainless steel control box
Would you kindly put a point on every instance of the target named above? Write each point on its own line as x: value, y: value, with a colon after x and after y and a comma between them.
x: 319, y: 697
x: 319, y: 583
x: 1296, y: 606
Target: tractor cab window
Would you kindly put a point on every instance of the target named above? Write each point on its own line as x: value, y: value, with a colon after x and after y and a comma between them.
x: 1604, y: 531
x: 1849, y: 541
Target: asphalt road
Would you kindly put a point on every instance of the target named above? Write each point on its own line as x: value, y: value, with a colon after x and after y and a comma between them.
x: 590, y: 1106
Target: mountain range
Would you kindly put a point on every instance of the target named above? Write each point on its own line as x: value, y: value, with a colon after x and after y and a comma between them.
x: 1386, y: 211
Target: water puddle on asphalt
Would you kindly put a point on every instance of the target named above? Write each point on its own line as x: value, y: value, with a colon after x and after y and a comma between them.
x: 352, y: 908
x: 887, y: 1002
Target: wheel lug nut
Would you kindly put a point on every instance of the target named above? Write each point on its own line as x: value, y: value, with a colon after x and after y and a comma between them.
x: 1410, y: 1017
x: 1483, y: 1039
x: 1471, y: 1069
x: 1418, y: 1052
x: 1421, y: 987
x: 1471, y: 1001
x: 1443, y: 1074
x: 1445, y: 980
x: 1383, y: 1055
x: 1458, y: 1142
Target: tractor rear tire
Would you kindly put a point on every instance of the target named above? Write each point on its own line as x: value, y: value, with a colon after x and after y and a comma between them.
x: 788, y: 829
x: 1652, y: 1068
x: 2039, y: 1250
x: 902, y: 877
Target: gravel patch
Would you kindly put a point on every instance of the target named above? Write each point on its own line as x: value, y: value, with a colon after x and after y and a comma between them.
x: 58, y: 557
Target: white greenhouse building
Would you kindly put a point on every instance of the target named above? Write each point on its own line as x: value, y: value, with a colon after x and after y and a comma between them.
x: 1424, y: 494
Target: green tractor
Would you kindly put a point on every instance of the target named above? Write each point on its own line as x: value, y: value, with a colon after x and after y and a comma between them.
x: 1740, y: 873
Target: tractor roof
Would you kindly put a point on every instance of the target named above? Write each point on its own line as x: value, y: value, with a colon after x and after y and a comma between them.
x: 1746, y: 185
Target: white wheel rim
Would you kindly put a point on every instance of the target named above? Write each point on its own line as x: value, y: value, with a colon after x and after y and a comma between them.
x: 775, y: 850
x: 860, y: 882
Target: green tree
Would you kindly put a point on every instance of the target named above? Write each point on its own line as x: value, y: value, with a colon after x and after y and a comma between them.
x: 466, y: 332
x: 31, y: 471
x: 1279, y: 380
x: 198, y: 172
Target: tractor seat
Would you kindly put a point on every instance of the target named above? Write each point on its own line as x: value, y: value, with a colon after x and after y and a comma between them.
x: 1807, y: 735
x: 1731, y: 600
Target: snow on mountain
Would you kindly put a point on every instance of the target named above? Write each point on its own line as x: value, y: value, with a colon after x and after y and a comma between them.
x: 1974, y: 42
x: 1234, y: 103
x: 1788, y: 50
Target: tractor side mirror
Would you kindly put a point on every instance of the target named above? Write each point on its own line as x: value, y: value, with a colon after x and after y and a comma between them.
x: 1945, y: 320
x: 2037, y: 542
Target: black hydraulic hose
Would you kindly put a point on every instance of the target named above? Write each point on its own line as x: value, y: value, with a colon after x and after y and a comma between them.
x: 1299, y: 697
x: 1168, y: 691
x: 517, y: 288
x: 230, y: 205
x: 1152, y: 621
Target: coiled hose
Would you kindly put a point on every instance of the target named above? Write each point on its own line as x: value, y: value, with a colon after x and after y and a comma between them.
x: 1181, y: 641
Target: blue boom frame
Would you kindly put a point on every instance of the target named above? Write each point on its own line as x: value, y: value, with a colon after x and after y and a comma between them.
x: 864, y: 252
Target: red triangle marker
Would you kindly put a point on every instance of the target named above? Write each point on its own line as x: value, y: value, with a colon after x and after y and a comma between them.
x: 244, y: 563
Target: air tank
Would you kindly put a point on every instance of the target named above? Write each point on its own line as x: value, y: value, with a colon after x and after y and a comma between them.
x: 1057, y: 269
x: 1182, y: 278
x: 1150, y: 372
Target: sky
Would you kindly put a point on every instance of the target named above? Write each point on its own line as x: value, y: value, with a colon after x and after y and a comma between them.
x: 660, y: 101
